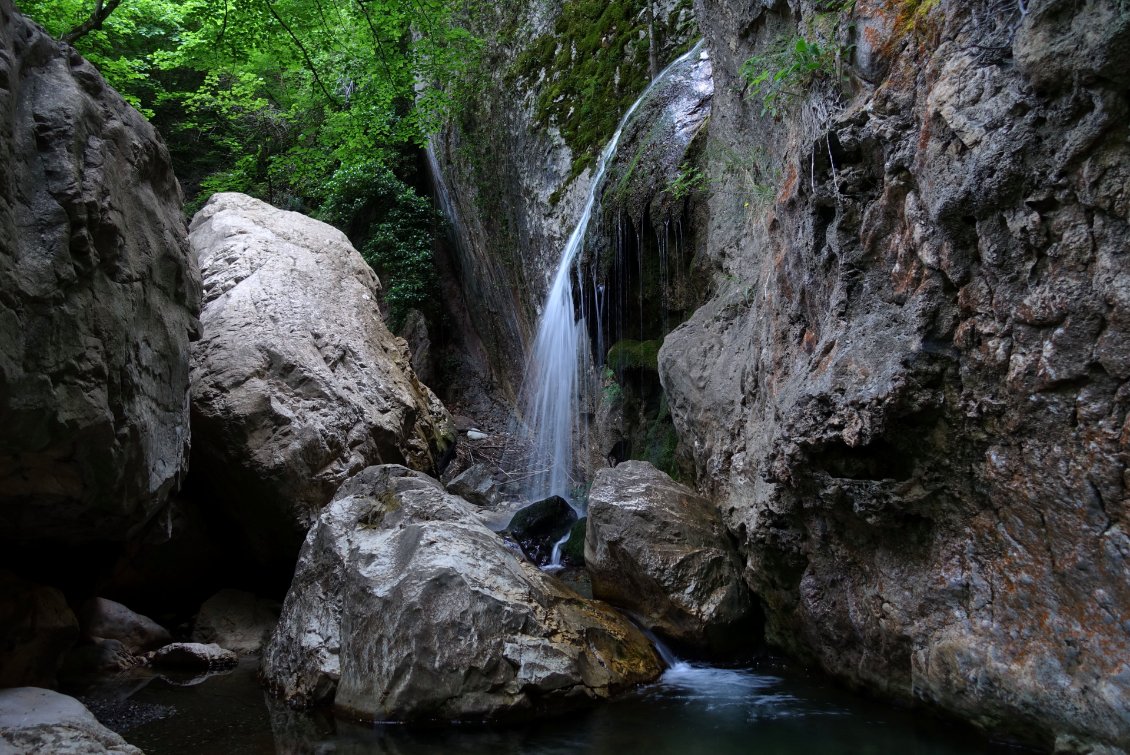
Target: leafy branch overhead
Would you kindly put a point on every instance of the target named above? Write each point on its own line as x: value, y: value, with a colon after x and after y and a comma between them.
x: 289, y: 101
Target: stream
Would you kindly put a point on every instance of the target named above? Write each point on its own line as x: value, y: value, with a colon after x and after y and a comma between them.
x: 771, y: 707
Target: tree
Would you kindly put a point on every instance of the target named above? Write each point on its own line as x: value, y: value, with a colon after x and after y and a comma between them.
x: 288, y: 100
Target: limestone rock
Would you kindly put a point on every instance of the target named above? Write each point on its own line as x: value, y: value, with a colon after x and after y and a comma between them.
x: 296, y: 383
x: 100, y: 297
x: 661, y: 551
x: 192, y: 656
x: 109, y: 620
x: 403, y: 607
x: 908, y: 391
x: 414, y: 331
x: 39, y: 720
x: 237, y: 621
x: 36, y: 629
x: 476, y: 485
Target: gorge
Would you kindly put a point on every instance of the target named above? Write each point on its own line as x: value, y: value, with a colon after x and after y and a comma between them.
x: 793, y: 333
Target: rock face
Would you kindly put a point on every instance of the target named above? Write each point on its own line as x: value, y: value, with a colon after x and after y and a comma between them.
x: 296, y: 383
x: 661, y: 551
x: 39, y: 720
x: 36, y: 629
x: 100, y: 297
x: 510, y: 172
x: 909, y: 392
x: 403, y: 607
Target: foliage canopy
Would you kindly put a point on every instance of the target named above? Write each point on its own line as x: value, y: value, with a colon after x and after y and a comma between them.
x: 290, y: 101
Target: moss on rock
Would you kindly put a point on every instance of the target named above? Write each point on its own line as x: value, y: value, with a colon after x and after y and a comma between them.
x: 594, y: 64
x: 631, y: 354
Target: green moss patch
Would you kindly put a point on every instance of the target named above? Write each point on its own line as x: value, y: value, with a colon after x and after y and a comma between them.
x: 595, y: 63
x: 630, y: 354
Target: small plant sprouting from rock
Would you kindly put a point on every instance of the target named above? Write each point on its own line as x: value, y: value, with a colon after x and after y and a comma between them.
x: 687, y: 181
x: 612, y: 392
x: 787, y: 72
x: 756, y: 173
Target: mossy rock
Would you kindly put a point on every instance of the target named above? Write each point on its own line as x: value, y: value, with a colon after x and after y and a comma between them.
x: 538, y: 526
x: 573, y: 552
x: 630, y: 354
x: 595, y: 63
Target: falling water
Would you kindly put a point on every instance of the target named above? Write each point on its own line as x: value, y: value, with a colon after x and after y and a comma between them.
x: 559, y: 360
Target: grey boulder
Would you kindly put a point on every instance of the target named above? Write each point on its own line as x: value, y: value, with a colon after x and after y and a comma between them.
x: 297, y: 383
x: 39, y: 720
x: 661, y: 551
x: 192, y: 656
x: 405, y: 607
x: 100, y: 297
x: 477, y: 485
x: 236, y: 620
x: 108, y: 620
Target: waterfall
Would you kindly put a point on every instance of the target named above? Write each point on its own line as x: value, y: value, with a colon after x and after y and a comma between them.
x: 559, y: 361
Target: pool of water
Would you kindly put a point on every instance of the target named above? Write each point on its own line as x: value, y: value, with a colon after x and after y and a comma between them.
x: 769, y: 708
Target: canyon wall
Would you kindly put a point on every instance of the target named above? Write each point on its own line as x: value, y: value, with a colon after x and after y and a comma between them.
x: 904, y: 387
x: 908, y: 394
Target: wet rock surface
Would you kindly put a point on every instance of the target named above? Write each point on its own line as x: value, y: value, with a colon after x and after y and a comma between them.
x: 908, y: 393
x: 403, y: 607
x: 296, y: 383
x: 661, y: 551
x: 192, y: 656
x: 93, y: 364
x: 539, y: 525
x: 39, y: 720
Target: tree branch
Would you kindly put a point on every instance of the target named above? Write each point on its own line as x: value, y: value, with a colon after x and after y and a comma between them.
x: 100, y: 14
x: 306, y: 55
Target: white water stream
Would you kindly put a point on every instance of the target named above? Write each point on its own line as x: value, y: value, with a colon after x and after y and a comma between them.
x: 560, y: 360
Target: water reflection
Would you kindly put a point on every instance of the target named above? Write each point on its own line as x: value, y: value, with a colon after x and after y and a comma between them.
x: 769, y: 709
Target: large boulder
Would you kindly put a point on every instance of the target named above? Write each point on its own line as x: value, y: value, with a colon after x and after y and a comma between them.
x: 37, y: 628
x: 661, y: 551
x: 296, y: 383
x: 192, y: 656
x: 404, y: 607
x: 39, y: 720
x: 236, y: 620
x: 538, y: 526
x: 110, y: 620
x: 98, y: 301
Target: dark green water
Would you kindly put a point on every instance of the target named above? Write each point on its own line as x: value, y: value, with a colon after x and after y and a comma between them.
x: 768, y: 709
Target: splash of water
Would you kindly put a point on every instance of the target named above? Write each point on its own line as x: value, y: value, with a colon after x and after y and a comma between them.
x: 560, y: 359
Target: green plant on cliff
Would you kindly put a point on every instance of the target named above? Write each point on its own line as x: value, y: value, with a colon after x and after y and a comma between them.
x: 688, y: 180
x: 786, y: 72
